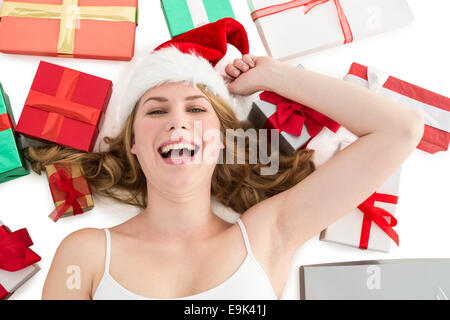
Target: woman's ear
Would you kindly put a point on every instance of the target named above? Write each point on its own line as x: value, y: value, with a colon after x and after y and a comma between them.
x: 133, y: 145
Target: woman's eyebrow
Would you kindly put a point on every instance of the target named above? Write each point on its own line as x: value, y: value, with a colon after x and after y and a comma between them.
x: 159, y: 99
x: 162, y: 99
x: 196, y: 97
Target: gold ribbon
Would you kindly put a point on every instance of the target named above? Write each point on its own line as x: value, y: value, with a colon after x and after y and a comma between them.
x: 68, y: 12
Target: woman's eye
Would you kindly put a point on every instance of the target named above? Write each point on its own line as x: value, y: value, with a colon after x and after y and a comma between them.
x: 155, y: 112
x: 196, y: 110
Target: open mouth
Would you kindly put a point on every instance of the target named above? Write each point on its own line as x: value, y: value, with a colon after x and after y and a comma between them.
x: 184, y: 151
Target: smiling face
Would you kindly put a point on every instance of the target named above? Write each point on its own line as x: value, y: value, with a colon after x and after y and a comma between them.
x: 176, y: 134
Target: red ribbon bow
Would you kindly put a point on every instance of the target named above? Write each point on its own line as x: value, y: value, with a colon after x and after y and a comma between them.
x: 291, y: 116
x: 14, y: 252
x: 63, y: 181
x: 308, y: 4
x: 377, y: 215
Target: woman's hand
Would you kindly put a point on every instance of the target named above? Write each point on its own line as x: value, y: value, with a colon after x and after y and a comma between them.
x: 250, y: 74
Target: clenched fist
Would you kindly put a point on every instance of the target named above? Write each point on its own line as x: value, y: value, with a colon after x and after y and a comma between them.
x: 250, y: 74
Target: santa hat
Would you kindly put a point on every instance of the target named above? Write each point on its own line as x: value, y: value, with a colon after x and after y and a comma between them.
x: 197, y: 57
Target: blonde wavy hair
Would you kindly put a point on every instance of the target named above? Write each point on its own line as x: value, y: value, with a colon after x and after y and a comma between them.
x: 116, y: 173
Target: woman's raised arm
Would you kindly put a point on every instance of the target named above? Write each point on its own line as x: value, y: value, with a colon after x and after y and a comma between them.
x: 388, y: 132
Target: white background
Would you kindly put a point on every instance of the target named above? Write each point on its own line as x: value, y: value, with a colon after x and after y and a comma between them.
x: 418, y: 53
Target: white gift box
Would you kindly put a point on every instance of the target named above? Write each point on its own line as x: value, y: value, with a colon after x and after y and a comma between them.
x: 289, y: 143
x: 434, y: 107
x: 290, y: 32
x: 11, y: 281
x: 347, y: 230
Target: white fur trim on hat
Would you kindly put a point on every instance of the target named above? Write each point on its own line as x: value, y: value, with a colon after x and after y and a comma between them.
x: 170, y: 65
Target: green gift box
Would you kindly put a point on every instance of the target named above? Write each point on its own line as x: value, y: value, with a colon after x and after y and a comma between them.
x: 12, y: 164
x: 185, y: 15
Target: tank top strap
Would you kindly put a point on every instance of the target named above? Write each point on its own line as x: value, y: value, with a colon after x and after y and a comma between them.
x: 108, y: 250
x: 245, y: 236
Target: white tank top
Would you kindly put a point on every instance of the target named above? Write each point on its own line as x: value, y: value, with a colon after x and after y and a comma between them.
x: 249, y: 282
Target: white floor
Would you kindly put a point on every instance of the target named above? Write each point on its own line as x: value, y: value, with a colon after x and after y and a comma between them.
x: 418, y: 54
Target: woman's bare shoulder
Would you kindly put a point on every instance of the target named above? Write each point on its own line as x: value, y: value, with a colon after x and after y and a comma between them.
x: 81, y: 253
x: 84, y: 247
x: 84, y: 239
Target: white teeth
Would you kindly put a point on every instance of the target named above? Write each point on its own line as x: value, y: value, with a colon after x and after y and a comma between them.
x: 169, y: 147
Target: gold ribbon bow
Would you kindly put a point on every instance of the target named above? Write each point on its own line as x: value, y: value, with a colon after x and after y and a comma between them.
x: 68, y: 12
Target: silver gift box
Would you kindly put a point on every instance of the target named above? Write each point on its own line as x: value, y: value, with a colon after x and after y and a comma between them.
x: 398, y: 279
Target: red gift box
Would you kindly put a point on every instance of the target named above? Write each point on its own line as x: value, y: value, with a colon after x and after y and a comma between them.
x: 65, y: 106
x: 70, y: 190
x: 95, y: 29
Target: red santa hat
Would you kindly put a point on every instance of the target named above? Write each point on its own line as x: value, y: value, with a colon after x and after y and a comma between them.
x: 197, y: 57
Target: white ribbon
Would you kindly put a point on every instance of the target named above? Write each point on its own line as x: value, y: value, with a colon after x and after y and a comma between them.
x: 377, y: 78
x: 198, y: 12
x: 434, y: 117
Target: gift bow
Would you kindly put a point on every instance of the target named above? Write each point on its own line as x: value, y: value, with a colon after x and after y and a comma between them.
x: 376, y: 78
x: 60, y: 106
x: 14, y: 252
x: 377, y: 215
x: 290, y: 116
x: 5, y: 122
x: 308, y: 4
x: 68, y: 13
x: 63, y: 181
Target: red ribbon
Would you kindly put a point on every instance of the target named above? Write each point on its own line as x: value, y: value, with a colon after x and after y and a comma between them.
x: 5, y: 122
x: 377, y: 215
x: 3, y: 293
x: 60, y: 106
x: 14, y: 252
x: 308, y: 4
x: 63, y: 181
x: 291, y: 116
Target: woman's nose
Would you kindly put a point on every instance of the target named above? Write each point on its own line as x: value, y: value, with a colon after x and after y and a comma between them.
x: 178, y: 122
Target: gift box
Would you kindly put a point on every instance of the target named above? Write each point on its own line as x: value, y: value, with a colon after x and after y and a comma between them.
x: 95, y: 29
x: 65, y: 106
x: 18, y: 263
x: 396, y: 279
x: 70, y: 190
x: 370, y: 225
x: 293, y: 28
x: 296, y: 123
x: 434, y: 107
x: 185, y: 15
x: 12, y: 164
